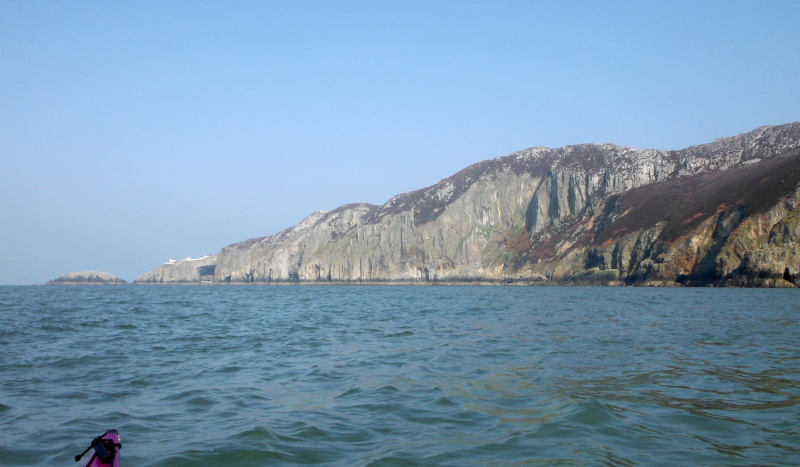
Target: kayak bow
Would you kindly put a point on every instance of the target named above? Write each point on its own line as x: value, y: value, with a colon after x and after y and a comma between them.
x: 106, y: 450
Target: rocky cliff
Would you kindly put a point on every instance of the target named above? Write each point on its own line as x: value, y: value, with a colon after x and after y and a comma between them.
x: 88, y: 278
x: 186, y: 271
x: 723, y: 213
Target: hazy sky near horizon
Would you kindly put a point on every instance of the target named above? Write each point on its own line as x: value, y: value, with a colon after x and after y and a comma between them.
x: 134, y: 132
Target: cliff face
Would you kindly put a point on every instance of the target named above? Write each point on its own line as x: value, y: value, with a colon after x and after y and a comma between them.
x: 88, y: 278
x: 734, y: 227
x: 723, y: 213
x: 187, y: 271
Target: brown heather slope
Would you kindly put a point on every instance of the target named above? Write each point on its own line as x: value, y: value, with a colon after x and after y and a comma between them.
x: 685, y: 203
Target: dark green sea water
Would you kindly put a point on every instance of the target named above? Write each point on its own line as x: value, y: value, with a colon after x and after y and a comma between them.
x: 350, y: 376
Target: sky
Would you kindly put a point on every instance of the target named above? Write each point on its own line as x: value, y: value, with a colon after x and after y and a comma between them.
x: 135, y: 132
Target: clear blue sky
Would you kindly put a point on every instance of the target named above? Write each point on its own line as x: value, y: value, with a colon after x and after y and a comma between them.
x: 134, y: 132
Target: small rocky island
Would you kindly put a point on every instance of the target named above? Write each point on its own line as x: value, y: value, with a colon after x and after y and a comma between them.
x: 88, y: 278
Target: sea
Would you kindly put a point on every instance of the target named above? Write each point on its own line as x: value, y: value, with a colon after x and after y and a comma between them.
x: 401, y: 375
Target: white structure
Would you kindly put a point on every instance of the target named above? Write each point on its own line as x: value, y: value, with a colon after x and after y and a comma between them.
x: 188, y: 258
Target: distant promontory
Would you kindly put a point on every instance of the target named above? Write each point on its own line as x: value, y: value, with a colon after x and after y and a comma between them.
x: 88, y: 278
x: 185, y: 271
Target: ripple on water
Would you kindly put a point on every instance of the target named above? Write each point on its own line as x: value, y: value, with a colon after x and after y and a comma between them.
x: 401, y: 376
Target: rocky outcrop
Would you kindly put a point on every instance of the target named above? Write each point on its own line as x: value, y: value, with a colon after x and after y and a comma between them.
x: 733, y: 227
x: 723, y: 213
x: 186, y: 271
x: 88, y: 278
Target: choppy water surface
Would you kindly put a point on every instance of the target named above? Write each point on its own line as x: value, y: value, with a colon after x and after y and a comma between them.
x: 345, y: 376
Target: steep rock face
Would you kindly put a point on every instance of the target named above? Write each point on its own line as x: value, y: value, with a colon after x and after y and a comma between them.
x: 723, y: 213
x: 188, y: 271
x: 88, y: 278
x: 389, y: 243
x: 586, y: 171
x: 731, y: 227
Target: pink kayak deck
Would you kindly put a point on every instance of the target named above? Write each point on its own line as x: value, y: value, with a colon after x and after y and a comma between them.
x: 95, y: 462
